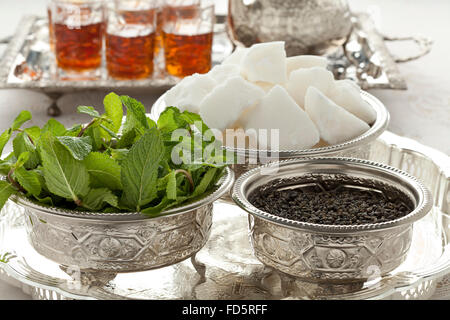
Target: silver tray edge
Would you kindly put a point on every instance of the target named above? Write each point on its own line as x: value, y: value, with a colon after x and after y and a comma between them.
x: 14, y: 46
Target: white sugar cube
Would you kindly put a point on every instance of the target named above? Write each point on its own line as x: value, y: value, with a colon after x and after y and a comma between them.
x: 266, y: 86
x: 335, y: 124
x: 265, y: 62
x: 348, y: 82
x: 346, y: 94
x: 189, y: 92
x: 277, y: 110
x: 220, y: 73
x: 236, y: 57
x: 301, y: 79
x: 305, y: 61
x: 223, y: 106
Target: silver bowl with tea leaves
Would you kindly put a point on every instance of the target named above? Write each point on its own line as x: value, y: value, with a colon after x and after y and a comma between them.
x: 325, y: 252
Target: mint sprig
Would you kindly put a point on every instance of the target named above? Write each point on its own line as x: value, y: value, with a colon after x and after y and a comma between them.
x: 111, y: 165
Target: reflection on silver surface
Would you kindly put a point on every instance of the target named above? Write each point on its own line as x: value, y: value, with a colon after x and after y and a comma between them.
x: 365, y: 58
x: 307, y: 26
x: 232, y: 272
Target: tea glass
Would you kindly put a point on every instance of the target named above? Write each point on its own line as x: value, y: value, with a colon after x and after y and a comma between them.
x: 187, y: 29
x: 130, y: 38
x: 77, y: 31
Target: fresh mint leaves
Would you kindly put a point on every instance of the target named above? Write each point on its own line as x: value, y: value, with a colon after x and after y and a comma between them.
x: 64, y: 175
x: 29, y: 180
x: 114, y: 111
x: 140, y: 170
x: 103, y: 170
x: 24, y: 143
x: 89, y: 111
x: 54, y: 127
x: 97, y: 198
x: 23, y: 117
x: 79, y: 147
x: 111, y: 165
x: 6, y: 190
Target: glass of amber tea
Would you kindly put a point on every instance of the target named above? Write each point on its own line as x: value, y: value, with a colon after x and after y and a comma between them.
x: 130, y: 39
x: 140, y: 11
x: 187, y: 36
x: 78, y: 35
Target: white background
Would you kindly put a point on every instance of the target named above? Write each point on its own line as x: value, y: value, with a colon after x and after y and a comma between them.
x: 422, y: 112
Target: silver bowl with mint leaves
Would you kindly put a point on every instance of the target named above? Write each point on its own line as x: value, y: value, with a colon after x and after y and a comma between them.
x: 108, y: 195
x: 122, y: 242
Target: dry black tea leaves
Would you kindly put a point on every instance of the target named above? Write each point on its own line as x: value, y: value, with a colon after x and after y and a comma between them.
x: 343, y: 206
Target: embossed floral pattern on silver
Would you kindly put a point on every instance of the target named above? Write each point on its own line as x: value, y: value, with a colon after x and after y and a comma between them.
x: 119, y: 246
x: 329, y: 257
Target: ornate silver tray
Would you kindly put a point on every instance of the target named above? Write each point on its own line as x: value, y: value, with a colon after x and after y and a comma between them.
x: 232, y: 272
x: 28, y: 62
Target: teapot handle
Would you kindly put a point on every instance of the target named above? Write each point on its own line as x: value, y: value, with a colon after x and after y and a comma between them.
x: 423, y: 43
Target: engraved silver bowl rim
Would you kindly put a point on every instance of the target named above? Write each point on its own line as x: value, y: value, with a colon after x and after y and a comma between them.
x: 376, y: 129
x: 222, y: 186
x: 423, y: 197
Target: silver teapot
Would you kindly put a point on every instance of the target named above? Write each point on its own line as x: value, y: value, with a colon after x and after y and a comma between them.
x: 307, y: 26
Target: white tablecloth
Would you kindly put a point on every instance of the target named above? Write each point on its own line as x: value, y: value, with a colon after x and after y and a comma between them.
x: 422, y: 112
